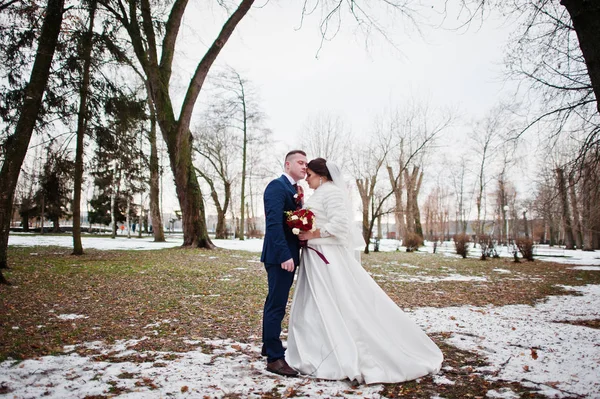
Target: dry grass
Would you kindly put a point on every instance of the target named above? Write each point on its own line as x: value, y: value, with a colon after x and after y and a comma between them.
x: 220, y: 294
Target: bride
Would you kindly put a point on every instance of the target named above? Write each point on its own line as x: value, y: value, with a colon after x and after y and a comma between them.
x: 342, y: 324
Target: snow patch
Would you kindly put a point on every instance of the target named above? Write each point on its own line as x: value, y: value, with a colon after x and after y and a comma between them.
x: 71, y: 316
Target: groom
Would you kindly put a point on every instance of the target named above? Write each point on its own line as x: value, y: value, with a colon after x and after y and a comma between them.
x: 280, y: 255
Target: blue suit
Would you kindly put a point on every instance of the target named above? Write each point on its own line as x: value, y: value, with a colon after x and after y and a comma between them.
x: 280, y: 244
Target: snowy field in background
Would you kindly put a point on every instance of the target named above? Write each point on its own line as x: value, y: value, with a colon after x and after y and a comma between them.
x: 543, y: 252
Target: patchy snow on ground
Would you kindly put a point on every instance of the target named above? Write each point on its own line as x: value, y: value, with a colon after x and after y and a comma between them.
x: 528, y: 344
x: 232, y: 368
x: 71, y: 316
x: 435, y: 279
x: 589, y: 268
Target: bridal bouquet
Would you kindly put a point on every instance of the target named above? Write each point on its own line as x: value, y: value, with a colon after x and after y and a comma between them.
x: 300, y: 220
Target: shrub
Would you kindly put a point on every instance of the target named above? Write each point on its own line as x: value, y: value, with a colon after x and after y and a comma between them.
x: 525, y: 245
x: 461, y: 242
x: 412, y: 241
x: 487, y: 246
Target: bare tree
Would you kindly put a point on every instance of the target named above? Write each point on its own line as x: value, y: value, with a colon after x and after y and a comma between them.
x: 215, y: 148
x: 566, y: 213
x: 545, y: 207
x: 326, y: 136
x: 367, y: 165
x: 414, y: 130
x: 486, y: 138
x: 146, y: 23
x: 555, y: 52
x: 458, y: 176
x: 577, y: 230
x: 436, y: 210
x: 236, y: 110
x: 140, y: 20
x: 154, y: 165
x: 590, y: 187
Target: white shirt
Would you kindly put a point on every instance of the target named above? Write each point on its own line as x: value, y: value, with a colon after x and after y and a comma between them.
x: 292, y: 181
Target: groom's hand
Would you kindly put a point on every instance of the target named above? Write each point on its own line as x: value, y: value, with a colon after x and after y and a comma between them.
x: 288, y: 265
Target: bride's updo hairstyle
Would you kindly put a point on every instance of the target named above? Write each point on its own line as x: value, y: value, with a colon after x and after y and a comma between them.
x: 319, y: 166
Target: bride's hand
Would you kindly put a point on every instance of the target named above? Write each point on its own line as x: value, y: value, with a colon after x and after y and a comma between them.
x: 308, y: 235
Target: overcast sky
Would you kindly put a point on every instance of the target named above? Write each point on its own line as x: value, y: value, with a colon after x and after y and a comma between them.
x: 349, y: 78
x: 353, y: 76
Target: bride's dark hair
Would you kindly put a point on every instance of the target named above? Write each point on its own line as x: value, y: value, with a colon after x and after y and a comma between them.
x: 319, y: 166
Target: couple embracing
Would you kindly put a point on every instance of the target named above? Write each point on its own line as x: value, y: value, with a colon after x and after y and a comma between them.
x: 342, y: 324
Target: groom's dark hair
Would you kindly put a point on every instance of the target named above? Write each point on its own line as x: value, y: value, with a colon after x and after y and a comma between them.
x: 319, y: 166
x: 294, y: 152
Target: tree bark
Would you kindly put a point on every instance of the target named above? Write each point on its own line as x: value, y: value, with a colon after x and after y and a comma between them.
x: 397, y: 187
x: 16, y: 144
x: 244, y: 155
x: 176, y: 132
x: 566, y: 214
x: 416, y: 211
x: 411, y: 182
x: 221, y: 209
x: 587, y: 209
x: 576, y: 219
x: 363, y: 190
x: 585, y: 15
x: 157, y: 225
x: 81, y: 128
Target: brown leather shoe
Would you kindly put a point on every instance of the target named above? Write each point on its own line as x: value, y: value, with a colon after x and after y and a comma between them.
x: 281, y: 367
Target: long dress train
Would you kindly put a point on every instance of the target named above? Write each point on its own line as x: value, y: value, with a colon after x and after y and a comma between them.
x: 342, y: 324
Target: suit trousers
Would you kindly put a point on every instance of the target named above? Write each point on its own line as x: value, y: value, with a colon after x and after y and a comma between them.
x: 280, y: 282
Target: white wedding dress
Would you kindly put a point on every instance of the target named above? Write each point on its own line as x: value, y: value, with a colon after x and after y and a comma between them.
x: 342, y: 324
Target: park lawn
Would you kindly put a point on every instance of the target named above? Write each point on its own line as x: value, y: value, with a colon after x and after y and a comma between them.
x: 174, y: 295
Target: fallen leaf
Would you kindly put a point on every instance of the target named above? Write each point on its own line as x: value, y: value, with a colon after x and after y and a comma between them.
x: 534, y: 354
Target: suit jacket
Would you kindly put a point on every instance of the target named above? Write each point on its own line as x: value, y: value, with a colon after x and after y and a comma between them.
x: 280, y: 244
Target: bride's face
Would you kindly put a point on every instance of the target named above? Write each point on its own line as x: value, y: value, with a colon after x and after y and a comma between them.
x: 312, y: 179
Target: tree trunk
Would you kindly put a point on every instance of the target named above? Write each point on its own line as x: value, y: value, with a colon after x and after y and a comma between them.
x: 158, y: 230
x: 25, y: 222
x: 364, y: 197
x: 81, y: 128
x: 221, y: 210
x: 585, y: 15
x: 410, y: 181
x: 55, y: 224
x: 415, y: 209
x: 576, y: 219
x: 141, y: 216
x: 587, y: 209
x: 16, y: 144
x: 244, y: 152
x: 221, y: 229
x: 42, y: 215
x: 127, y: 221
x: 176, y: 132
x: 566, y: 214
x: 397, y: 187
x: 113, y: 220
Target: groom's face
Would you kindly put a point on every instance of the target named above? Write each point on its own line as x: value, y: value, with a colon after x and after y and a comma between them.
x: 295, y: 166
